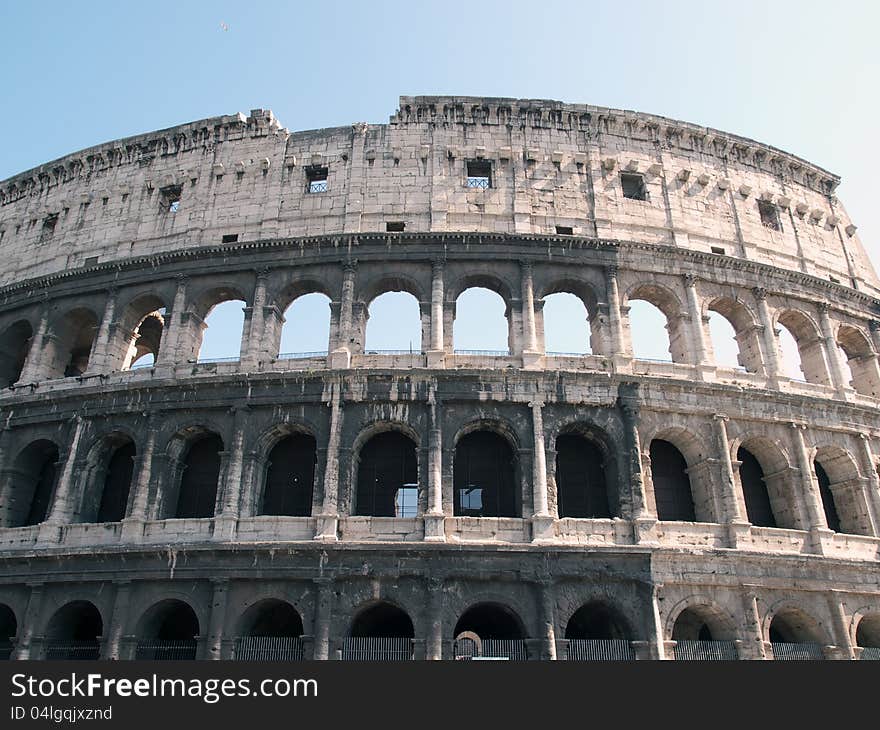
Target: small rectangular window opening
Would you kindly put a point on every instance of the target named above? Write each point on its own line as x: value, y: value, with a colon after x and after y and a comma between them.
x: 769, y: 215
x: 230, y: 238
x: 90, y: 261
x: 564, y: 231
x: 395, y: 226
x: 633, y: 186
x: 49, y: 223
x: 718, y: 250
x: 316, y: 177
x: 170, y: 197
x: 479, y: 174
x: 406, y: 501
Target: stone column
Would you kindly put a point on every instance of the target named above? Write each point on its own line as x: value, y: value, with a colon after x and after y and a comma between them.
x: 98, y: 362
x: 434, y: 641
x: 61, y: 511
x: 341, y: 355
x: 658, y: 639
x: 531, y: 354
x: 733, y: 513
x: 696, y: 318
x: 28, y: 627
x: 636, y: 509
x: 323, y: 612
x: 217, y: 618
x: 754, y: 643
x: 118, y: 621
x: 812, y: 499
x: 133, y: 524
x: 771, y: 346
x: 869, y: 466
x: 547, y: 614
x: 169, y: 345
x: 832, y: 352
x: 434, y: 517
x: 542, y: 520
x: 838, y: 618
x: 436, y: 353
x: 253, y: 346
x: 328, y: 520
x: 227, y: 520
x: 32, y: 370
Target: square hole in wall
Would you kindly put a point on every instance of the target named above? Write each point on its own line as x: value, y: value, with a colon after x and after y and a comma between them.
x: 769, y: 215
x: 718, y: 250
x: 49, y: 223
x: 633, y: 186
x: 564, y: 231
x: 316, y: 179
x: 169, y: 198
x: 479, y: 174
x: 229, y: 238
x: 395, y: 226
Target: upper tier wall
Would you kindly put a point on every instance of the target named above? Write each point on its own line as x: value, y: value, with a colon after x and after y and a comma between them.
x: 552, y: 165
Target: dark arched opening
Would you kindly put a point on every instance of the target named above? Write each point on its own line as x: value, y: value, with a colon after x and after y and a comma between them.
x: 74, y: 632
x: 581, y: 482
x: 387, y: 476
x: 14, y: 345
x: 868, y: 637
x: 755, y: 494
x: 33, y: 483
x: 117, y: 484
x: 290, y: 474
x: 169, y: 630
x: 793, y: 635
x: 672, y: 486
x: 490, y: 630
x: 597, y: 632
x: 382, y: 632
x: 831, y: 515
x: 198, y: 484
x: 700, y: 634
x: 8, y: 631
x: 484, y: 476
x: 271, y: 631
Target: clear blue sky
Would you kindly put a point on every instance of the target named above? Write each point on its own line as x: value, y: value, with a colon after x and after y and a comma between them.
x: 802, y: 76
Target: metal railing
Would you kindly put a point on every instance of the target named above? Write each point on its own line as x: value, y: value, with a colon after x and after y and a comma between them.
x: 784, y: 651
x: 85, y: 650
x: 705, y: 651
x: 392, y: 352
x: 513, y: 649
x: 554, y: 353
x: 318, y: 186
x: 599, y: 650
x: 478, y: 182
x: 269, y: 648
x: 871, y: 653
x: 300, y: 355
x: 166, y: 650
x: 486, y: 353
x: 377, y: 649
x: 210, y: 360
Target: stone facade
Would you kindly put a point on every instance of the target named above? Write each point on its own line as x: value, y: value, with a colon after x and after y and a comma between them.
x: 168, y: 224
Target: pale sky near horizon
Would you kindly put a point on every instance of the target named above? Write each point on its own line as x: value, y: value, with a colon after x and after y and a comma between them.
x: 801, y: 76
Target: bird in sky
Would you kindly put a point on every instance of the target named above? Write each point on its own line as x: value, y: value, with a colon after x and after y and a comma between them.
x: 224, y: 26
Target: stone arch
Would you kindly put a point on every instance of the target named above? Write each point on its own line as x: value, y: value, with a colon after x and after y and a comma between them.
x: 168, y: 629
x: 300, y: 287
x: 193, y: 477
x: 138, y: 332
x: 32, y: 484
x: 15, y: 344
x: 493, y: 282
x: 289, y: 475
x: 840, y: 490
x: 866, y: 630
x: 385, y: 470
x: 598, y: 619
x: 679, y: 475
x: 789, y: 623
x: 285, y: 338
x: 861, y: 358
x: 665, y: 300
x: 491, y: 620
x: 394, y: 320
x: 394, y: 282
x: 745, y: 327
x: 698, y: 618
x: 67, y: 350
x: 586, y: 295
x: 194, y: 321
x: 774, y: 476
x: 486, y: 470
x: 499, y: 288
x: 381, y: 618
x: 810, y: 346
x: 74, y: 631
x: 107, y: 478
x: 591, y: 464
x: 270, y: 617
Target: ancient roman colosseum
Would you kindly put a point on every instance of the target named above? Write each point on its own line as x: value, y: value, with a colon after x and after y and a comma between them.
x: 438, y: 503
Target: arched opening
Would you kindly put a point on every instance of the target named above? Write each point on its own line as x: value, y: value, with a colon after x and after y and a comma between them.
x: 795, y: 635
x: 169, y: 630
x: 860, y: 360
x: 581, y: 480
x: 135, y: 339
x: 290, y: 475
x: 801, y: 349
x: 868, y: 636
x: 490, y: 630
x: 724, y: 343
x: 649, y: 332
x: 672, y: 485
x: 221, y: 338
x: 597, y: 632
x: 74, y: 632
x: 8, y: 631
x: 14, y: 345
x: 387, y: 476
x: 106, y: 500
x: 32, y: 484
x: 271, y: 630
x: 828, y: 505
x: 380, y: 632
x: 394, y: 324
x: 68, y: 350
x: 484, y: 479
x: 481, y: 325
x: 702, y: 633
x: 735, y: 336
x: 306, y: 328
x: 755, y: 494
x: 143, y: 349
x: 197, y: 494
x: 566, y: 325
